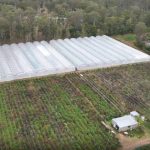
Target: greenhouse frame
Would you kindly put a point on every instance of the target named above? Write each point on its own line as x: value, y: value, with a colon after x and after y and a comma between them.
x: 24, y: 60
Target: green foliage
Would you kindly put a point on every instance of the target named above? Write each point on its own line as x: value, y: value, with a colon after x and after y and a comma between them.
x: 140, y: 29
x: 26, y: 20
x: 147, y: 126
x: 44, y: 114
x: 138, y: 132
x: 127, y: 37
x: 101, y: 105
x: 145, y: 147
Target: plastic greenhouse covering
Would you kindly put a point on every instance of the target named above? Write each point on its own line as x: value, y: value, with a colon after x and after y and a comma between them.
x: 97, y: 52
x: 26, y: 60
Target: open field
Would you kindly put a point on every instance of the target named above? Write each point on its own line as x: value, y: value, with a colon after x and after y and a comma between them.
x: 50, y: 113
x: 129, y: 39
x: 129, y: 86
x: 65, y: 112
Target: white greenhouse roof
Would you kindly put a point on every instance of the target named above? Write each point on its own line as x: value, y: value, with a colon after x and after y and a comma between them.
x: 125, y: 121
x: 97, y: 52
x: 25, y: 60
x: 21, y: 60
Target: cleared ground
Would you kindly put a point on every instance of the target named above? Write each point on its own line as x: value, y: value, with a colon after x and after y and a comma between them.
x: 133, y: 143
x: 65, y: 112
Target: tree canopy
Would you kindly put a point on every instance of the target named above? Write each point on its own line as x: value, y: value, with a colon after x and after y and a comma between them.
x: 26, y: 20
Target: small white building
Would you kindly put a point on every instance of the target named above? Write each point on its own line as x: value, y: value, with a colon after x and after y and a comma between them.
x: 134, y: 114
x: 124, y: 123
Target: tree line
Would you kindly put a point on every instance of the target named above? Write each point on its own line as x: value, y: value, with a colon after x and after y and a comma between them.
x: 30, y: 20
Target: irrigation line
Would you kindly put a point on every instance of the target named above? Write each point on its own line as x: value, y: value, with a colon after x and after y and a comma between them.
x: 98, y: 91
x: 77, y: 78
x: 114, y: 99
x: 132, y: 98
x: 81, y: 93
x: 111, y: 87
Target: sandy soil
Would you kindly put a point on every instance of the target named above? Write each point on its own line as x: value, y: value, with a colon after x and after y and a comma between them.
x: 131, y: 143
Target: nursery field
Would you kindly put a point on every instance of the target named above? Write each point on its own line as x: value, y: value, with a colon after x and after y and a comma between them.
x: 65, y: 112
x: 50, y: 113
x: 127, y: 86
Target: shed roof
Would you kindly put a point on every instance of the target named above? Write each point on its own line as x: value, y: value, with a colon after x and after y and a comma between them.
x: 125, y: 121
x: 134, y: 113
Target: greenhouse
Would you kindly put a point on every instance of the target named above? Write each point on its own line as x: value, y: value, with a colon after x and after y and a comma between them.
x: 97, y: 52
x: 21, y: 60
x: 26, y: 60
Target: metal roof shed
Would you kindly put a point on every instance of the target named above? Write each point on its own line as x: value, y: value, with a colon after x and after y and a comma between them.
x: 134, y: 114
x: 124, y: 123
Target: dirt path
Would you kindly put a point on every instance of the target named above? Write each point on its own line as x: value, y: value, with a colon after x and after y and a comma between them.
x: 131, y: 143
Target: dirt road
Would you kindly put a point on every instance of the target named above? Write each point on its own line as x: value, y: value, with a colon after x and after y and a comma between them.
x: 131, y: 143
